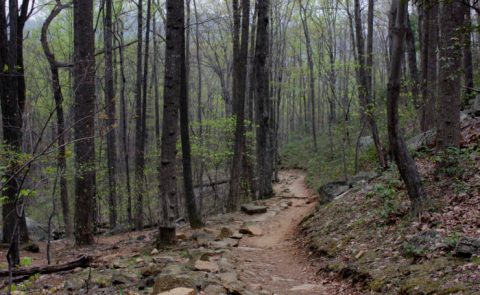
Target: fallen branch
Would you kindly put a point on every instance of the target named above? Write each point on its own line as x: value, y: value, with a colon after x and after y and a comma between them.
x: 83, y: 261
x: 212, y: 184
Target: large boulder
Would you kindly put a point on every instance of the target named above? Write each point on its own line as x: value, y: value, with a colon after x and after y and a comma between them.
x: 331, y: 190
x: 362, y: 176
x: 425, y: 139
x: 253, y: 209
x: 467, y: 247
x: 36, y: 230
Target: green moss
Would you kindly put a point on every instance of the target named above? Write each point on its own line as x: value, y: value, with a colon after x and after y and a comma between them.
x: 376, y: 285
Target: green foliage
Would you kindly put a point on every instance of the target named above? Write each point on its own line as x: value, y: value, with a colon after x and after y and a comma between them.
x: 26, y: 261
x: 455, y: 162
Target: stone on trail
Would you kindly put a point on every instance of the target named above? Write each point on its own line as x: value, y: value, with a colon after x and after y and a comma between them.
x: 237, y: 236
x: 178, y: 291
x: 154, y: 251
x: 251, y: 228
x: 206, y: 266
x: 253, y: 209
x: 223, y: 244
x: 225, y: 232
x: 304, y: 287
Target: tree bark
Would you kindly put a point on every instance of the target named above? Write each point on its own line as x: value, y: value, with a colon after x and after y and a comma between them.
x: 139, y: 139
x: 262, y: 100
x: 110, y: 110
x: 58, y: 99
x: 84, y: 108
x: 174, y: 55
x: 448, y: 129
x: 412, y: 63
x: 406, y: 165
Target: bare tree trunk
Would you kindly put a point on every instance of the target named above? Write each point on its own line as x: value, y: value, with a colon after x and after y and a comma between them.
x: 58, y: 98
x: 191, y: 204
x: 364, y: 95
x: 412, y: 63
x: 110, y: 110
x: 303, y: 14
x: 139, y: 140
x: 262, y: 97
x: 84, y: 108
x: 406, y: 165
x: 240, y: 76
x: 174, y: 66
x: 467, y: 56
x: 448, y: 129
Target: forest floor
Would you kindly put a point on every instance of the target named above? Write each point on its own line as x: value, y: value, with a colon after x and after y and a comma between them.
x: 218, y: 259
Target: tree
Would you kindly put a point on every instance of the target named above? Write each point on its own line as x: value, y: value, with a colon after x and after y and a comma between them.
x: 448, y: 129
x: 174, y: 72
x: 262, y: 101
x: 139, y: 129
x: 363, y: 87
x: 12, y: 98
x: 84, y: 112
x: 405, y: 163
x: 110, y: 110
x: 193, y: 214
x: 240, y: 52
x: 58, y: 98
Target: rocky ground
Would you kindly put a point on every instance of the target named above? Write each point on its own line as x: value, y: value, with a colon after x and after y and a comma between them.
x: 254, y: 251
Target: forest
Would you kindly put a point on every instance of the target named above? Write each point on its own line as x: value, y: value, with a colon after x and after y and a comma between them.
x: 240, y: 147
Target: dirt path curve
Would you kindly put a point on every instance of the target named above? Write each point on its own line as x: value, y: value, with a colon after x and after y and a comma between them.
x: 272, y: 261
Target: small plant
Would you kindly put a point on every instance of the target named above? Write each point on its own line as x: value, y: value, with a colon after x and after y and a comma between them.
x: 26, y: 261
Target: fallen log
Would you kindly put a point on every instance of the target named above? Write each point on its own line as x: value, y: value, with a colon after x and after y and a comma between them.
x: 83, y: 261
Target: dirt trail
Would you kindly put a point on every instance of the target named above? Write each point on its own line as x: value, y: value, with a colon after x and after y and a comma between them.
x: 273, y: 261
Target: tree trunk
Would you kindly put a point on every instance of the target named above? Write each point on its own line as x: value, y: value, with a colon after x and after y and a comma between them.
x: 363, y: 88
x: 412, y: 63
x: 110, y: 110
x: 262, y: 99
x: 406, y: 165
x: 430, y: 64
x: 448, y: 129
x: 174, y: 66
x: 191, y: 204
x: 311, y: 93
x: 467, y: 56
x: 58, y: 98
x: 240, y: 46
x: 84, y: 112
x: 139, y: 139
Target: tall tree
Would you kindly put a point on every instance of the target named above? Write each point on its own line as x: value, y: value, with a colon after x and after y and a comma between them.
x: 262, y: 101
x: 174, y: 66
x: 311, y: 93
x: 406, y: 165
x: 429, y: 63
x: 451, y: 21
x: 467, y: 54
x: 139, y: 138
x: 12, y: 96
x: 58, y: 98
x: 240, y: 46
x: 110, y: 110
x: 193, y: 214
x: 363, y: 88
x: 84, y: 112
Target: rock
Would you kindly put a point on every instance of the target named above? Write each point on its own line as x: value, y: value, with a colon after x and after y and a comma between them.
x: 362, y: 176
x: 329, y: 191
x: 165, y: 282
x: 425, y: 139
x: 74, y: 284
x: 237, y: 236
x: 118, y: 264
x: 178, y: 291
x: 476, y: 106
x: 420, y: 244
x: 31, y: 247
x: 122, y: 279
x: 154, y: 251
x: 365, y: 141
x: 467, y: 247
x: 181, y: 237
x: 37, y: 231
x: 215, y: 290
x: 253, y: 209
x: 151, y: 270
x: 226, y: 243
x: 206, y: 266
x: 251, y: 228
x: 225, y: 232
x: 139, y: 261
x: 304, y: 287
x: 202, y: 238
